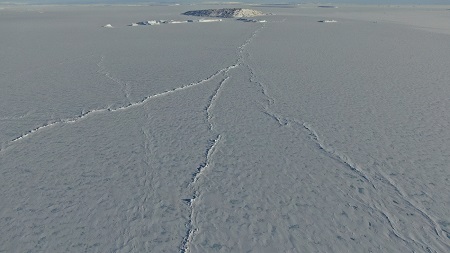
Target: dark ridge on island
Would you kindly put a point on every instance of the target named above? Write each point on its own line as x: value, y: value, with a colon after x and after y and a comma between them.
x: 327, y: 6
x: 225, y: 13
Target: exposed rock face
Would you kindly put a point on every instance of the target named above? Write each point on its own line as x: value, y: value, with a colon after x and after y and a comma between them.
x: 225, y: 13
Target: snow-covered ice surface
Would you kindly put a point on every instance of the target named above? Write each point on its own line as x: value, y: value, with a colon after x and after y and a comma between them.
x: 285, y: 136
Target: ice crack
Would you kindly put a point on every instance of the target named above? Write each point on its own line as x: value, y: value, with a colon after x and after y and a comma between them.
x: 379, y: 207
x: 92, y: 112
x: 436, y: 227
x: 211, y: 148
x: 336, y: 155
x: 397, y: 229
x: 103, y: 71
x: 211, y: 102
x: 209, y: 151
x: 342, y: 158
x: 190, y: 230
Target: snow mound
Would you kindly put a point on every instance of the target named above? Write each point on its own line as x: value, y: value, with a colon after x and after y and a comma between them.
x: 108, y: 26
x: 225, y: 13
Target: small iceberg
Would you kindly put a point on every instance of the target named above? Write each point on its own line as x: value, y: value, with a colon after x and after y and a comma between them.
x: 108, y: 26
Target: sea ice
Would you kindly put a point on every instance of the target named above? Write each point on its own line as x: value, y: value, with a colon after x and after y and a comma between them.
x: 283, y: 136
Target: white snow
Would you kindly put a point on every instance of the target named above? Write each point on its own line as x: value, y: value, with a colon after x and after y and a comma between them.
x: 282, y: 136
x: 177, y: 22
x: 209, y: 20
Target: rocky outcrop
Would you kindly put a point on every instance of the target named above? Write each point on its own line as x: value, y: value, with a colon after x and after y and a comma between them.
x: 225, y: 13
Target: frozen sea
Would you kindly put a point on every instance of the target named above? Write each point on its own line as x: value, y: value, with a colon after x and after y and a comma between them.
x: 286, y: 136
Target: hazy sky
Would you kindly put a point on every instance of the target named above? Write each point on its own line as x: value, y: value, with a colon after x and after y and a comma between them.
x: 245, y: 1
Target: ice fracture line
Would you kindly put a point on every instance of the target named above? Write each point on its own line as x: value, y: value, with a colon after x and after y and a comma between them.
x: 191, y: 229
